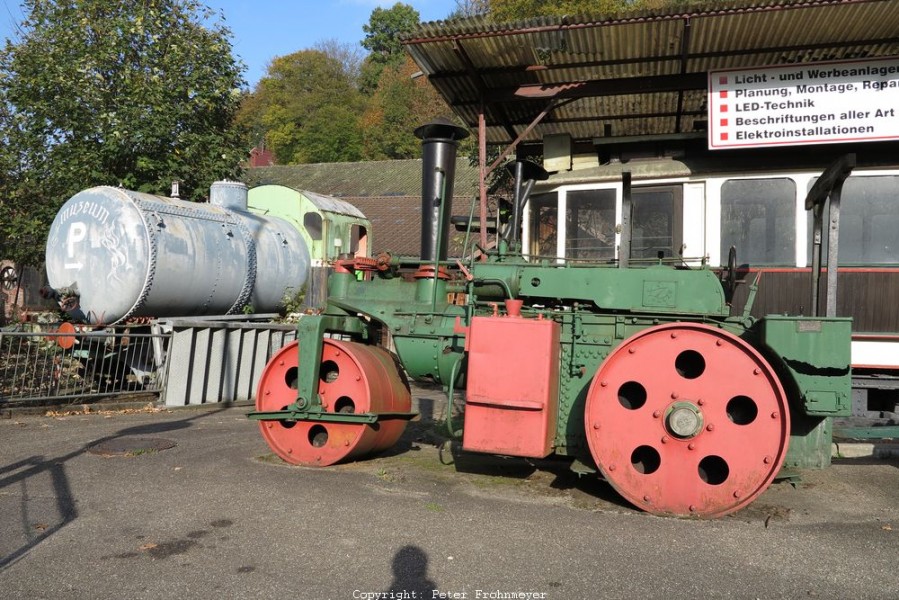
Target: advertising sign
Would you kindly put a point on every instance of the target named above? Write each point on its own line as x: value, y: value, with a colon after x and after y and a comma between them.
x: 815, y: 103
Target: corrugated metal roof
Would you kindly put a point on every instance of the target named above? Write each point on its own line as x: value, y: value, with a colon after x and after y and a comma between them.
x: 388, y: 193
x: 633, y: 73
x: 360, y: 179
x: 396, y: 222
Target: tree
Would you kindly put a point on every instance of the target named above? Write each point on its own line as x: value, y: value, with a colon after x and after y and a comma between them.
x: 470, y: 8
x: 331, y: 134
x: 399, y: 105
x: 349, y: 55
x: 382, y: 40
x: 514, y: 10
x: 284, y: 107
x: 132, y: 92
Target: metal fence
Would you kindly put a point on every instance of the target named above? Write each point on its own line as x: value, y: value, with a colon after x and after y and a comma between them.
x: 37, y: 369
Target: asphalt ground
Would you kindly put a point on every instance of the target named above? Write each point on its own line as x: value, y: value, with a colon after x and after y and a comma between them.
x: 216, y: 515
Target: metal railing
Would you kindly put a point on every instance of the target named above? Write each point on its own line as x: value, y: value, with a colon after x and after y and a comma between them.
x: 42, y: 368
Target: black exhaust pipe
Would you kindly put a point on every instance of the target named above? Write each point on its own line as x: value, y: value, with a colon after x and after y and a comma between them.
x: 439, y: 141
x: 525, y: 174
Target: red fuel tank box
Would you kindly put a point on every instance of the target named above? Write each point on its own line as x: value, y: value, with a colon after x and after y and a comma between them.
x: 511, y: 405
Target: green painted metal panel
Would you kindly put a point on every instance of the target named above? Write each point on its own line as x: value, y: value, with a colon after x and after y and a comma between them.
x: 814, y: 355
x: 882, y: 432
x: 286, y: 203
x: 656, y: 289
x: 293, y: 206
x: 810, y: 442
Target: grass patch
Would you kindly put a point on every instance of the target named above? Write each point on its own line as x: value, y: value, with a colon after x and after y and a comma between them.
x: 141, y: 451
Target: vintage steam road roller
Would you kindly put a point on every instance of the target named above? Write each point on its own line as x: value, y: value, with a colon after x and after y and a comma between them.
x: 637, y: 373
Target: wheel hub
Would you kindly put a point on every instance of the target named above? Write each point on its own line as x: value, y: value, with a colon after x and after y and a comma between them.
x: 683, y: 420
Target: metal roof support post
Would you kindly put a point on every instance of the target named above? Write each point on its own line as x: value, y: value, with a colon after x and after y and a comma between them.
x: 824, y: 198
x: 537, y: 120
x: 484, y: 170
x: 833, y: 236
x: 627, y: 209
x: 499, y: 111
x: 817, y: 214
x: 482, y: 177
x: 685, y: 56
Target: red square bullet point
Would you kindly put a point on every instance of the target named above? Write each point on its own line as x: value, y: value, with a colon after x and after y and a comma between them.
x: 724, y: 122
x: 723, y: 93
x: 723, y: 108
x: 722, y: 80
x: 723, y: 137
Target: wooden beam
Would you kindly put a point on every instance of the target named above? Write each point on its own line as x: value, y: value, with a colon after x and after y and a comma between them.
x: 600, y: 87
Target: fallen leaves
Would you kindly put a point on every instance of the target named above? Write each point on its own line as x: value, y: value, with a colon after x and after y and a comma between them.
x: 87, y: 410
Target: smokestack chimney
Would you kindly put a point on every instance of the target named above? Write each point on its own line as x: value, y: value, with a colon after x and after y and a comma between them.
x: 439, y: 140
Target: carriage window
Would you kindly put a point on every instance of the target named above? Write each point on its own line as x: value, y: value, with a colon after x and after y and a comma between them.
x: 358, y: 240
x: 869, y: 222
x: 313, y: 223
x: 758, y: 217
x: 590, y: 220
x: 544, y: 224
x: 656, y: 222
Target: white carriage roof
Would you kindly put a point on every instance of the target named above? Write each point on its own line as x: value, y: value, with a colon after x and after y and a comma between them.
x: 332, y: 204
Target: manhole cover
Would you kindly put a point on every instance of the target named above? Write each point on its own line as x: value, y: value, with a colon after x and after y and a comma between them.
x: 130, y: 446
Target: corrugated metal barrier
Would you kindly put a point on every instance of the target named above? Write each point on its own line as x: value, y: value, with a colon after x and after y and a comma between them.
x: 219, y: 359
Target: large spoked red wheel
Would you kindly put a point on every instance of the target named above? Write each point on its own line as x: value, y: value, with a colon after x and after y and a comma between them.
x: 687, y: 419
x: 353, y: 378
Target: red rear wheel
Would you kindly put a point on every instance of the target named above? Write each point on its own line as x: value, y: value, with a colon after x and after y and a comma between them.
x: 687, y: 419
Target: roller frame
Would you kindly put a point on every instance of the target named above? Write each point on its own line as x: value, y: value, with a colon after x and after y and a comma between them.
x: 292, y: 413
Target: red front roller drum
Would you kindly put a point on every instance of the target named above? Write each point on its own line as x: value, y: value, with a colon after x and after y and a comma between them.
x: 353, y: 378
x: 687, y: 419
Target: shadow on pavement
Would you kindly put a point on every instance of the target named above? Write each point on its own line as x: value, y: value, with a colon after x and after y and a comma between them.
x: 564, y: 478
x: 410, y: 575
x: 19, y: 473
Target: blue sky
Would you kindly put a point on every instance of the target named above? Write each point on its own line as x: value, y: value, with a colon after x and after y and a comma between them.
x: 264, y: 29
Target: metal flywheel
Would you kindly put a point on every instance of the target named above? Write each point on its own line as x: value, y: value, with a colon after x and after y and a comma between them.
x: 687, y: 419
x: 8, y: 277
x: 353, y: 378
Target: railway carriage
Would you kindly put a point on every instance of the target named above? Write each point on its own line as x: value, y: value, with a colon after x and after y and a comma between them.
x: 748, y: 208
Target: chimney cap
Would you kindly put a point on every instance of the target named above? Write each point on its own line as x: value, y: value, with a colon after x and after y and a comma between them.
x: 529, y: 170
x: 443, y: 128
